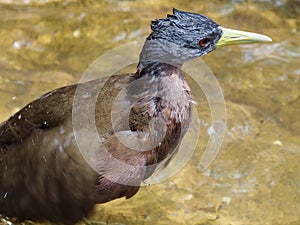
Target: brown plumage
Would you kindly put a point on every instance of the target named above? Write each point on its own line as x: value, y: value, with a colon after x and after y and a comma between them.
x: 43, y: 174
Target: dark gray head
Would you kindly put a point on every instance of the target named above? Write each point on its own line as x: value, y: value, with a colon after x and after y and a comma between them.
x: 183, y: 36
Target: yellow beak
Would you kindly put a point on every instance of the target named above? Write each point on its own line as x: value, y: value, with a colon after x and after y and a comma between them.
x: 232, y: 37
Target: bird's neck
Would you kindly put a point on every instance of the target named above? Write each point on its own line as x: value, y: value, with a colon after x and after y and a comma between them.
x: 158, y: 69
x: 161, y: 52
x: 156, y: 62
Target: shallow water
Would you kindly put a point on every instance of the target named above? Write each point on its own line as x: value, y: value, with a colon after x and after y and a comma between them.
x: 255, y: 178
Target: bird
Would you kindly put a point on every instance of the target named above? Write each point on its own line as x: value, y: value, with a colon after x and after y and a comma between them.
x: 55, y: 169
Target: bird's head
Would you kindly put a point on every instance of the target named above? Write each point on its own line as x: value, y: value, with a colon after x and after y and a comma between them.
x: 184, y: 35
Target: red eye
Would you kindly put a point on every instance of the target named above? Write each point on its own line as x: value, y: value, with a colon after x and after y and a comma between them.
x: 203, y: 42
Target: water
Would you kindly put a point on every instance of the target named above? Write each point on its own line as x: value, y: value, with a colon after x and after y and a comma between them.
x: 255, y: 179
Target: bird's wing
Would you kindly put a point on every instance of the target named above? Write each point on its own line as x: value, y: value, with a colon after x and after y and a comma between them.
x: 45, y: 112
x: 50, y: 110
